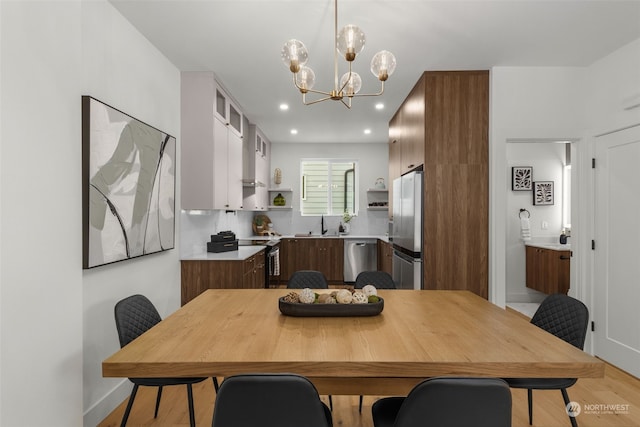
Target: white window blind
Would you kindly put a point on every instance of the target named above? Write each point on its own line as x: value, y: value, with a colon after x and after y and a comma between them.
x: 328, y: 187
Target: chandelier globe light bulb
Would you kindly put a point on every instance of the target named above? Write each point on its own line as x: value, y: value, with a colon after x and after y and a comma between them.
x: 352, y: 83
x: 350, y: 41
x: 294, y: 54
x: 383, y: 64
x: 306, y: 78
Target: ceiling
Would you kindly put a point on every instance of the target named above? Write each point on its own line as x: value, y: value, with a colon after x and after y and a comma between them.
x: 240, y: 41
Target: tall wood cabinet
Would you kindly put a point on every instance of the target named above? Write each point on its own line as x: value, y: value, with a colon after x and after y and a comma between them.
x: 444, y: 126
x: 407, y: 137
x: 211, y: 145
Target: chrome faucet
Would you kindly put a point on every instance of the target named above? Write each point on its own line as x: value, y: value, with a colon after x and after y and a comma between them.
x: 322, y: 229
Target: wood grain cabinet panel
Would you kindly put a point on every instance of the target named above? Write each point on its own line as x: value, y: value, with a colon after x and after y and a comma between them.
x: 445, y: 128
x: 385, y: 256
x: 548, y: 270
x: 395, y: 167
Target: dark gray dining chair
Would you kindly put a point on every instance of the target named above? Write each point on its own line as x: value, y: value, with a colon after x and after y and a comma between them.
x: 134, y: 316
x: 379, y: 279
x: 448, y: 402
x: 307, y: 279
x: 269, y: 400
x: 566, y: 318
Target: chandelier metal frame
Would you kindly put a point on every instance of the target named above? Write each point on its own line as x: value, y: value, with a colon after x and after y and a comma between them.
x: 295, y: 55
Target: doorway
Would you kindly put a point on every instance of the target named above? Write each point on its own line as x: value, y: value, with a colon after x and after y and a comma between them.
x: 547, y: 159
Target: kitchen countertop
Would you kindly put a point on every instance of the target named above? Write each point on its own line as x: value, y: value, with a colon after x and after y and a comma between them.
x: 333, y: 236
x: 241, y: 254
x: 259, y: 239
x: 552, y: 246
x: 247, y: 251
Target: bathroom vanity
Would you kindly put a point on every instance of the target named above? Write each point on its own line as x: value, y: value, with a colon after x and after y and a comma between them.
x: 548, y: 267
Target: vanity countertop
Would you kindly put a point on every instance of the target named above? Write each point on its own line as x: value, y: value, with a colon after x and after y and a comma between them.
x: 552, y: 246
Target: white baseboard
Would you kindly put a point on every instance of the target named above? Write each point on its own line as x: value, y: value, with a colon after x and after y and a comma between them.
x: 525, y: 297
x: 102, y: 408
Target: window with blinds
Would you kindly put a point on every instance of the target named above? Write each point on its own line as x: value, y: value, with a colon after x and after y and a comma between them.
x: 328, y: 187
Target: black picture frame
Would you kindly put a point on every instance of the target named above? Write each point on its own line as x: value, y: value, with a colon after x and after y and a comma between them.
x: 543, y: 194
x: 128, y: 186
x: 521, y: 178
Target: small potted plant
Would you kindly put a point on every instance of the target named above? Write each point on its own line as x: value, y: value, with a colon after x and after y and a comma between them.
x: 346, y: 218
x: 259, y: 225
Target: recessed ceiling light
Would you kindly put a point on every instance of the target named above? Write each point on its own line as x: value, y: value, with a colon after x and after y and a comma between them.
x: 367, y: 131
x: 379, y: 106
x: 284, y: 107
x: 294, y: 131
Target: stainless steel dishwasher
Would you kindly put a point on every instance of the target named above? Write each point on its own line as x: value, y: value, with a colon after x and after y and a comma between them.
x: 359, y: 255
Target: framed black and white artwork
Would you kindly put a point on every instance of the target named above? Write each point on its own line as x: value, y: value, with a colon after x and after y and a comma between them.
x: 128, y: 186
x: 543, y: 193
x: 521, y: 178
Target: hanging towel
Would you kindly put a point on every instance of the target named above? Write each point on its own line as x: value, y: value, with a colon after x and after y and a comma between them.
x: 274, y: 262
x: 525, y: 229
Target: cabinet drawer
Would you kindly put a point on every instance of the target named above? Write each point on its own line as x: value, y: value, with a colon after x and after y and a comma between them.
x: 249, y: 264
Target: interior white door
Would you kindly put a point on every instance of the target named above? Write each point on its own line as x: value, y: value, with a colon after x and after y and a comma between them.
x: 617, y: 251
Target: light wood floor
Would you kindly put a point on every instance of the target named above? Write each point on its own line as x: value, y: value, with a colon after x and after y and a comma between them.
x: 616, y: 388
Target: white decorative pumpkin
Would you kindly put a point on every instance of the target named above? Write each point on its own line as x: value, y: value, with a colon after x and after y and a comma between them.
x: 307, y: 296
x: 360, y: 298
x: 344, y: 296
x: 369, y: 290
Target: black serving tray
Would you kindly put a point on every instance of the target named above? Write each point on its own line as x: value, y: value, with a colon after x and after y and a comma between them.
x: 330, y: 310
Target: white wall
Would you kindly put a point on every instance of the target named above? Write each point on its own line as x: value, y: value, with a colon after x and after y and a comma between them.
x: 121, y: 68
x: 527, y: 103
x: 547, y: 160
x: 613, y: 83
x: 373, y: 162
x: 57, y: 321
x: 41, y: 279
x: 558, y: 103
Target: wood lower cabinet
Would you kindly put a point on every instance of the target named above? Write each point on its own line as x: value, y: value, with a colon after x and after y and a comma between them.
x: 548, y: 270
x: 200, y: 275
x: 385, y: 256
x: 307, y: 253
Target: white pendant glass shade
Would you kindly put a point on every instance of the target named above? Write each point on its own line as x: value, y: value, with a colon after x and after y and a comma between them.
x: 383, y: 64
x: 294, y: 55
x: 353, y: 85
x: 350, y: 42
x: 306, y: 78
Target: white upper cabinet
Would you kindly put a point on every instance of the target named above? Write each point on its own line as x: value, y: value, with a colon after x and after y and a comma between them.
x: 228, y: 112
x: 256, y: 170
x: 211, y: 145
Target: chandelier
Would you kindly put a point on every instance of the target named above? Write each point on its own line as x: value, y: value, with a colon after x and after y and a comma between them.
x: 349, y: 42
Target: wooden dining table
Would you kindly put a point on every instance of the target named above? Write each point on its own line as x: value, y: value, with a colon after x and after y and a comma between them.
x: 418, y: 334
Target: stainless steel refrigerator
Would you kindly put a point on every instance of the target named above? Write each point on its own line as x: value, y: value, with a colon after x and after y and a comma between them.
x: 407, y: 230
